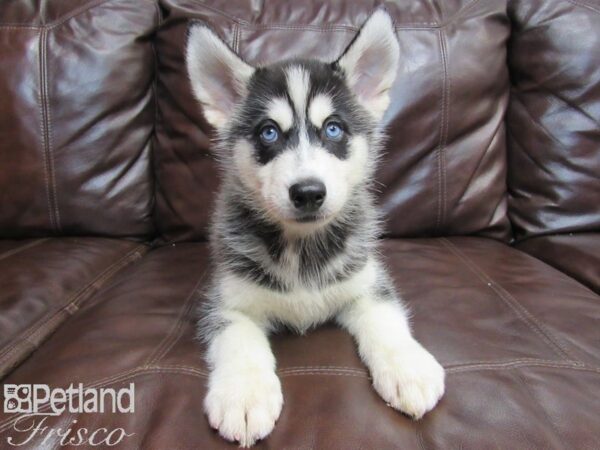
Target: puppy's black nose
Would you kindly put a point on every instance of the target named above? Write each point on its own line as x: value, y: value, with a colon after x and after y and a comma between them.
x: 308, y: 195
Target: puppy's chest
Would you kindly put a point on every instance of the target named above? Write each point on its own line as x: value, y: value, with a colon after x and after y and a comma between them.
x: 309, y: 269
x: 302, y: 307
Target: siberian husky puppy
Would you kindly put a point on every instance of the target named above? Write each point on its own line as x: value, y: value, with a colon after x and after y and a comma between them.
x: 295, y: 228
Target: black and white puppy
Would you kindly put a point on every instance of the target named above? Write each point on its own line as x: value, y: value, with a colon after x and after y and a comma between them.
x: 295, y: 226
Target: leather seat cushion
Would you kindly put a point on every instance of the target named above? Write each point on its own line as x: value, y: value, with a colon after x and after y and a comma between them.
x: 518, y: 340
x: 44, y: 281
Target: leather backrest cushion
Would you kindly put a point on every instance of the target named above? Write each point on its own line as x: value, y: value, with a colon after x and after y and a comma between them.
x: 554, y: 117
x: 76, y: 116
x: 444, y: 171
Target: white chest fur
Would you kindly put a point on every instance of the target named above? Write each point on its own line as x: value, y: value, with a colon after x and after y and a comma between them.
x: 299, y: 308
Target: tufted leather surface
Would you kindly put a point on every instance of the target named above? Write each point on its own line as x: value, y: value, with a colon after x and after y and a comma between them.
x: 44, y: 281
x: 577, y: 255
x: 76, y: 116
x: 554, y: 117
x: 519, y: 373
x: 445, y: 169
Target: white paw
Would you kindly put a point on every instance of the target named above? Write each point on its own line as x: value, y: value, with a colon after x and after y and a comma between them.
x: 409, y: 379
x: 243, y: 407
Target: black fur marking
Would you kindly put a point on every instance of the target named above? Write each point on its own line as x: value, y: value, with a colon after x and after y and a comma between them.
x: 270, y: 82
x: 337, y: 148
x: 265, y: 84
x: 316, y: 254
x: 253, y: 270
x: 269, y: 233
x: 245, y: 228
x: 210, y: 321
x: 328, y: 79
x: 385, y: 288
x: 246, y: 224
x: 385, y: 291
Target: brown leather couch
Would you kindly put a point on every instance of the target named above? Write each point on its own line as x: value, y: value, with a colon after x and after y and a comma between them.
x: 491, y: 185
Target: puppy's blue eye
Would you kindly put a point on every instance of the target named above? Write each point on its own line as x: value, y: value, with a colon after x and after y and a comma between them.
x: 333, y: 130
x: 269, y: 134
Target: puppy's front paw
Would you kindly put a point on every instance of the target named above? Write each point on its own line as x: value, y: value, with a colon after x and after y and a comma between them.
x: 243, y: 407
x: 409, y: 379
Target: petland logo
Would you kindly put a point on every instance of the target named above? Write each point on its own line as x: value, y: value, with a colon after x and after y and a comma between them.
x: 38, y: 401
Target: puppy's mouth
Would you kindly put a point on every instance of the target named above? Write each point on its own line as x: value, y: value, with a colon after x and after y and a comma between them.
x: 309, y: 221
x: 309, y: 218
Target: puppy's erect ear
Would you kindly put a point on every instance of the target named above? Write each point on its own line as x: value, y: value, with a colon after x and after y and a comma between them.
x: 218, y: 76
x: 370, y: 62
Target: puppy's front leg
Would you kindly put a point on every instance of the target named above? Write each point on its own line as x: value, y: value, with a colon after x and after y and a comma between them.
x: 244, y: 394
x: 405, y: 374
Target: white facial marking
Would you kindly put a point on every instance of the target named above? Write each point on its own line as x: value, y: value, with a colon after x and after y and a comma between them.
x: 320, y: 109
x: 298, y: 85
x: 245, y: 164
x: 281, y: 112
x: 358, y: 159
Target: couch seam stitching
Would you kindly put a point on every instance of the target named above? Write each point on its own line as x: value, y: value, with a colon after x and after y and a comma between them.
x: 178, y: 332
x: 357, y: 372
x: 509, y: 361
x: 50, y: 140
x: 178, y: 366
x: 325, y: 373
x: 95, y: 384
x: 73, y: 300
x: 535, y: 400
x: 153, y: 134
x: 22, y: 248
x: 60, y: 20
x: 445, y: 118
x: 72, y: 304
x: 448, y: 366
x: 191, y: 371
x: 440, y: 146
x: 17, y: 27
x: 173, y: 334
x: 419, y: 436
x: 43, y: 134
x: 118, y: 378
x: 349, y: 28
x: 584, y: 5
x: 23, y: 346
x: 523, y: 313
x: 459, y: 14
x: 362, y: 369
x: 438, y: 174
x: 330, y: 28
x: 236, y: 43
x: 133, y: 255
x: 509, y: 366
